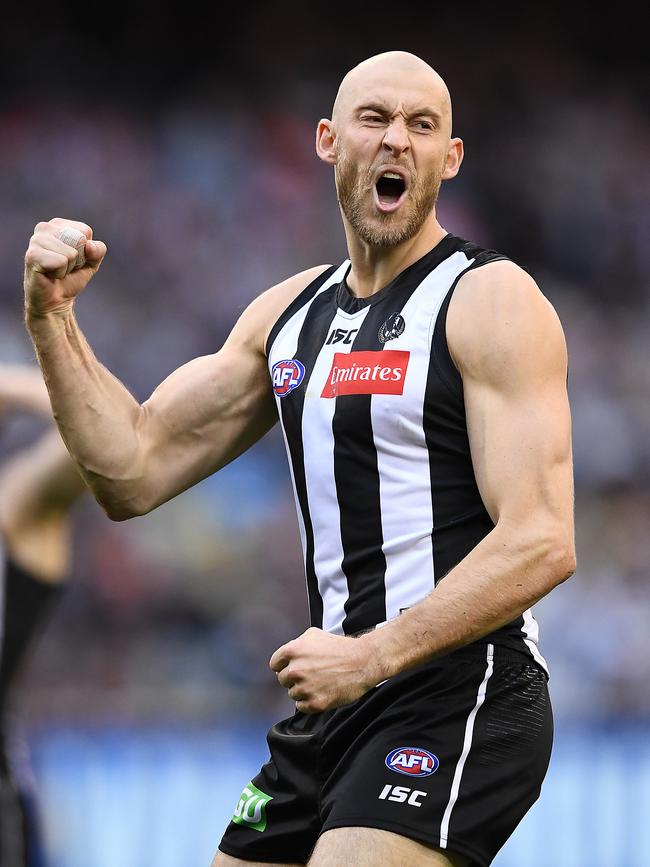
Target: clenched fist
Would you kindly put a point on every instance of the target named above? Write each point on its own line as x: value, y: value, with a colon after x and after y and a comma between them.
x: 52, y: 280
x: 322, y: 671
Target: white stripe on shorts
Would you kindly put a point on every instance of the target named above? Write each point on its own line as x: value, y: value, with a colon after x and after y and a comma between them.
x: 467, y: 744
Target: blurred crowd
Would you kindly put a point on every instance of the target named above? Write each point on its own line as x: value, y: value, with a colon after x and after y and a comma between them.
x: 209, y: 198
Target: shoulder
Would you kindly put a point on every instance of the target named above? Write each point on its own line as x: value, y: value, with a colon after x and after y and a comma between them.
x: 260, y: 316
x: 499, y: 316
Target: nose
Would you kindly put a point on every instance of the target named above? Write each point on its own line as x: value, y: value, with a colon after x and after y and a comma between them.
x: 396, y: 139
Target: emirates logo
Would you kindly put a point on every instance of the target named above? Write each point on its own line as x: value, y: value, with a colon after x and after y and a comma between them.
x: 367, y: 373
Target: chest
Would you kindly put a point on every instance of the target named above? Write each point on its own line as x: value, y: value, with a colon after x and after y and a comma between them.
x: 356, y: 378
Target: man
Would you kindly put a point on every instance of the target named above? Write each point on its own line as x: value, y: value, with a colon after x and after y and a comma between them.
x: 421, y: 387
x: 38, y: 485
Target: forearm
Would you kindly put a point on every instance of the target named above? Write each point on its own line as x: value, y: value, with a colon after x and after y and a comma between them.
x: 498, y: 580
x: 97, y: 416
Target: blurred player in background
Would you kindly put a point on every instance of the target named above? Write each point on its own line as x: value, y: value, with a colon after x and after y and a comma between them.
x: 38, y: 486
x: 421, y: 387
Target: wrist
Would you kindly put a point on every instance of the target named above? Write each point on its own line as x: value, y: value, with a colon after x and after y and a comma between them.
x: 378, y: 667
x: 35, y: 314
x: 45, y: 326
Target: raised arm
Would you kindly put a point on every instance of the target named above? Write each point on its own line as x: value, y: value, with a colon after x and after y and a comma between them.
x: 507, y: 343
x: 134, y: 456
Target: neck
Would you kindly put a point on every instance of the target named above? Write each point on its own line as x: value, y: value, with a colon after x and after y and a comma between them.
x: 372, y: 267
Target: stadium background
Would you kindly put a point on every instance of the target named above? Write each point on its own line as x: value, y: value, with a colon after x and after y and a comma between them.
x: 185, y: 139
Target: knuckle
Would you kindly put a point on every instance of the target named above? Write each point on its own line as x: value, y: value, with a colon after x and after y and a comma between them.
x: 59, y: 222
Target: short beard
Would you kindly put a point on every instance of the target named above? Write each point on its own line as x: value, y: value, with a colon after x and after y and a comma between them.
x: 352, y: 187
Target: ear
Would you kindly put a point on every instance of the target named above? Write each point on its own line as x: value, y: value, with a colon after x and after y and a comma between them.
x: 454, y: 159
x: 325, y: 141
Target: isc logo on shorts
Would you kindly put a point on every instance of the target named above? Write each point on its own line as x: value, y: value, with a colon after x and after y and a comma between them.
x: 402, y: 794
x: 412, y: 761
x: 287, y: 375
x: 367, y: 373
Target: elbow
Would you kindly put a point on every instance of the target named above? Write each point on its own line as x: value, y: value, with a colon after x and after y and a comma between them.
x: 121, y: 498
x: 117, y: 512
x: 559, y: 560
x: 123, y: 509
x: 543, y: 550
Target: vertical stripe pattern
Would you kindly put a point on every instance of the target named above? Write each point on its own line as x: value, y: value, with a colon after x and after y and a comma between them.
x: 401, y: 446
x: 357, y: 491
x: 530, y: 630
x: 378, y: 444
x: 467, y: 745
x: 296, y: 340
x: 323, y: 484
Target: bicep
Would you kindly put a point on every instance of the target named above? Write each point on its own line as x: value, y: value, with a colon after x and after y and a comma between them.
x: 521, y: 448
x: 517, y: 411
x: 210, y: 410
x: 203, y: 416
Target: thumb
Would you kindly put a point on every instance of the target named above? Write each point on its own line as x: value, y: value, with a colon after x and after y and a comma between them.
x: 281, y: 658
x: 95, y: 252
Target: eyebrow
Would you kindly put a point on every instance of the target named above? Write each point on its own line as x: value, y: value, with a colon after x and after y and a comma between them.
x: 381, y: 108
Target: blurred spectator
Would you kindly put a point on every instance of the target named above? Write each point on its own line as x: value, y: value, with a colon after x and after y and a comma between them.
x: 209, y: 196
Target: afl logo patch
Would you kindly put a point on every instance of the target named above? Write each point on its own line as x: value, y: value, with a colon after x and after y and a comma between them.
x: 392, y: 328
x: 287, y: 375
x: 412, y: 761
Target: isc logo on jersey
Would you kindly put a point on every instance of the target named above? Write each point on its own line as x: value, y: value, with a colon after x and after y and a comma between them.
x: 287, y: 375
x: 412, y: 761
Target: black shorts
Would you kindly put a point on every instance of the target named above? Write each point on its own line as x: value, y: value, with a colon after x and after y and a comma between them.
x: 452, y: 754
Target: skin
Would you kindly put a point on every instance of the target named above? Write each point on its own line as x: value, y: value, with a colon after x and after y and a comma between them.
x: 38, y: 485
x: 22, y: 389
x: 519, y: 431
x: 392, y: 111
x: 363, y: 847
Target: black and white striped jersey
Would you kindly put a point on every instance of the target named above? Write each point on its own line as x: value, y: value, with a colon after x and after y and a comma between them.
x: 372, y: 411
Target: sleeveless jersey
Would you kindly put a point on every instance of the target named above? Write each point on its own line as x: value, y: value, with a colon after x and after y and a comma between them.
x: 371, y: 407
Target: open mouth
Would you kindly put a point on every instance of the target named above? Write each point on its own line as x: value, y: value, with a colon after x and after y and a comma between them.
x: 390, y: 190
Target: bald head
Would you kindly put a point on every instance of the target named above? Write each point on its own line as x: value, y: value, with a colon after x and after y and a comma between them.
x: 397, y: 71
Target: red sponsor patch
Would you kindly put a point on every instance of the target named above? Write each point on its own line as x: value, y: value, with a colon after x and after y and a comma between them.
x: 380, y: 372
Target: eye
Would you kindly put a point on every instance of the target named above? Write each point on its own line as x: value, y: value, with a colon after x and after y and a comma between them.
x: 372, y: 118
x: 424, y: 125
